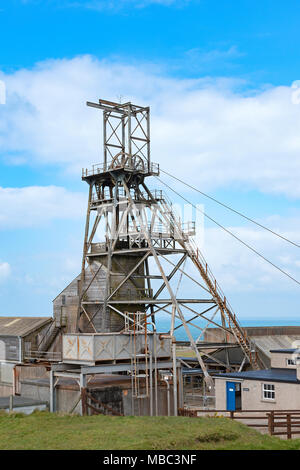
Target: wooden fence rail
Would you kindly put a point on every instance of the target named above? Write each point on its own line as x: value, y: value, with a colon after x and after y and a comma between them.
x: 278, y: 423
x: 102, y: 408
x: 287, y: 421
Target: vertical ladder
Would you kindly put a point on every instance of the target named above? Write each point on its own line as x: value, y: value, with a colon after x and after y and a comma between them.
x: 139, y: 380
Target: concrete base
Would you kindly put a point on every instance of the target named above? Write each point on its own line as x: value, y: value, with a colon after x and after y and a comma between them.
x: 22, y: 404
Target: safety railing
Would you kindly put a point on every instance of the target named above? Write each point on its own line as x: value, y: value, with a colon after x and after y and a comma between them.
x: 106, y: 195
x: 187, y: 228
x: 50, y: 356
x: 99, y: 168
x: 156, y: 194
x: 196, y: 398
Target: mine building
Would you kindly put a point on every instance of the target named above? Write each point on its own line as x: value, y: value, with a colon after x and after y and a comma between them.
x: 276, y: 388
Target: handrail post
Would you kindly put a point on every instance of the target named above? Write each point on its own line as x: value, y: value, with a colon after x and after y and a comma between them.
x: 289, y: 427
x: 84, y: 401
x: 271, y: 422
x: 11, y: 403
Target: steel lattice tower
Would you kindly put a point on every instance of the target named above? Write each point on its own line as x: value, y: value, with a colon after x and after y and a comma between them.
x: 144, y: 246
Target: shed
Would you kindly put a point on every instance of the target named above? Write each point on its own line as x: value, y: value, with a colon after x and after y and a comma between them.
x: 276, y: 388
x: 19, y: 334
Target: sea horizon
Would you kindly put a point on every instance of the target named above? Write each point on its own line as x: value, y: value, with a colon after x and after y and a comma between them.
x: 250, y: 322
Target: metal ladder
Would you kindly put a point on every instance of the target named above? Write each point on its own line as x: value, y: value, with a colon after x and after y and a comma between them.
x: 139, y: 381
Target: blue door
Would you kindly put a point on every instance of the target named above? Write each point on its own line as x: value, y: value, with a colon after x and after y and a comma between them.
x: 230, y: 396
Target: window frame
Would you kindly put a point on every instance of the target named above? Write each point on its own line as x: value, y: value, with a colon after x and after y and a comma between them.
x: 268, y: 388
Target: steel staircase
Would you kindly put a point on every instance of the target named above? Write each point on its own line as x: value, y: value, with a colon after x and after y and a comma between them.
x: 214, y: 288
x: 49, y: 338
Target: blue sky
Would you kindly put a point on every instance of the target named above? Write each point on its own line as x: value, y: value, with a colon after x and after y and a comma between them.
x: 225, y: 116
x: 242, y: 38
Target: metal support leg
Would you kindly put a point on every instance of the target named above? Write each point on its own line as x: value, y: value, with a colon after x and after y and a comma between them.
x: 52, y: 393
x: 180, y: 387
x: 82, y: 386
x: 151, y: 384
x: 174, y: 379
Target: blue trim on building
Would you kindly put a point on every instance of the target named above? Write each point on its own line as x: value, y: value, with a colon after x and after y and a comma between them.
x: 271, y: 375
x: 284, y: 351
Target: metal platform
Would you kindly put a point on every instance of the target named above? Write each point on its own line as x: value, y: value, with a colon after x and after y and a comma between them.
x: 104, y: 347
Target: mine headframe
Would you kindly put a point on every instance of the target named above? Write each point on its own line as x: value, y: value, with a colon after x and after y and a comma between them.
x: 129, y: 244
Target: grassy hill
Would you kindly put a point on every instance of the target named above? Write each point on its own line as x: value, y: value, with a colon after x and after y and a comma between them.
x: 43, y: 430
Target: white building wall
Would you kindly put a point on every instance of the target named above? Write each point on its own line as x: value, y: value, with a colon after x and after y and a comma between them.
x: 287, y: 396
x: 280, y: 360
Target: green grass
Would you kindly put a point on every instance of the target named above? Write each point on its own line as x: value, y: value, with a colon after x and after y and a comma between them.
x: 43, y: 430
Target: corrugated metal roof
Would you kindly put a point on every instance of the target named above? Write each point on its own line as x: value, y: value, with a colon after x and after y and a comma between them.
x: 272, y: 375
x: 285, y: 351
x: 21, y: 326
x: 267, y: 343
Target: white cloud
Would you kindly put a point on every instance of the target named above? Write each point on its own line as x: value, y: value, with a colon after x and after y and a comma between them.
x: 203, y: 130
x: 36, y: 205
x: 239, y: 269
x: 5, y: 271
x: 214, y: 55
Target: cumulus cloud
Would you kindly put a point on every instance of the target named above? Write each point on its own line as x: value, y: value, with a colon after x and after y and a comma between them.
x: 200, y: 59
x: 239, y: 269
x: 36, y: 205
x: 5, y: 271
x: 204, y: 130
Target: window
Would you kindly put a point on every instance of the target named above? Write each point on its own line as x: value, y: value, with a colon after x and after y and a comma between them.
x: 268, y: 391
x: 291, y: 362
